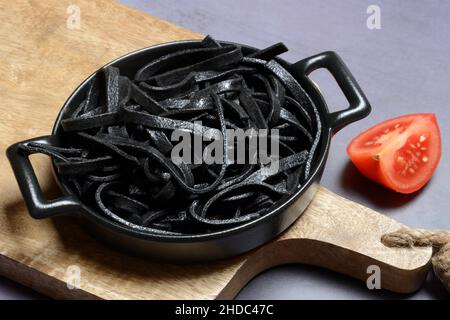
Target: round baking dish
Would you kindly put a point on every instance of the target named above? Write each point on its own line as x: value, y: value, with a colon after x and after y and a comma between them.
x: 215, y: 245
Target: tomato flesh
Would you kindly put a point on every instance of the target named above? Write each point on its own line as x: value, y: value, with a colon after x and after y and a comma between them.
x: 400, y: 153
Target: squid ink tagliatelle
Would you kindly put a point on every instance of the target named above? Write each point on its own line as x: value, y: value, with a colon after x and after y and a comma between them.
x: 116, y: 145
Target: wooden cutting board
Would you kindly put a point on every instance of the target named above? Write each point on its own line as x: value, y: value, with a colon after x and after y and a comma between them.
x: 42, y: 61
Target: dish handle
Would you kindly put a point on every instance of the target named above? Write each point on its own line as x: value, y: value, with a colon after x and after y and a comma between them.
x: 359, y: 106
x: 37, y: 205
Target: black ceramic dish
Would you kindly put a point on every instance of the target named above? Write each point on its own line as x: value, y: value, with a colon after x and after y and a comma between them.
x: 215, y: 245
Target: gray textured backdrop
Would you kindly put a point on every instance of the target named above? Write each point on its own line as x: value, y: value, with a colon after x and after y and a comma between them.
x: 402, y: 67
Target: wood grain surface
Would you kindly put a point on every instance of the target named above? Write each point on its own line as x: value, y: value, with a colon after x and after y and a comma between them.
x: 42, y: 61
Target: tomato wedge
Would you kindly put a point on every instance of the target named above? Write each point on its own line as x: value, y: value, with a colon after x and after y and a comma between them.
x: 401, y: 153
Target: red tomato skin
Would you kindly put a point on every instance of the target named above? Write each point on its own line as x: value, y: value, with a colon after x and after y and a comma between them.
x: 370, y: 165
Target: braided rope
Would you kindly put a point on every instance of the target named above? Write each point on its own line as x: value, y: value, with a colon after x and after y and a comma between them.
x: 438, y: 239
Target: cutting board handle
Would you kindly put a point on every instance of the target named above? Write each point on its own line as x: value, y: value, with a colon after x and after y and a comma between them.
x: 343, y: 236
x: 327, y: 255
x: 37, y: 205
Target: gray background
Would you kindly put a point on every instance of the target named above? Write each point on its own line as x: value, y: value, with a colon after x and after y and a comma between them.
x: 402, y: 67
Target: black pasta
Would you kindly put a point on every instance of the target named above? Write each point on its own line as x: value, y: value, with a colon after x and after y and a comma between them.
x: 116, y: 150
